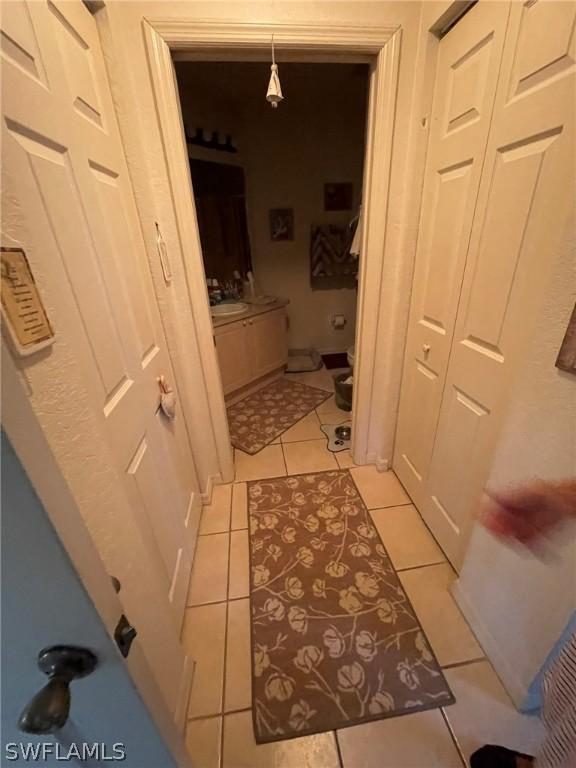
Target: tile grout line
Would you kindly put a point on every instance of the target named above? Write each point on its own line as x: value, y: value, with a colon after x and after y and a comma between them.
x: 229, y: 527
x: 219, y: 602
x: 467, y: 663
x: 284, y: 459
x: 452, y: 598
x: 218, y: 714
x: 338, y: 750
x: 418, y: 567
x: 453, y: 737
x: 388, y: 506
x: 226, y: 612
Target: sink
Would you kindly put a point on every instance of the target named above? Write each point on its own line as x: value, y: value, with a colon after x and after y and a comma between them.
x: 225, y: 310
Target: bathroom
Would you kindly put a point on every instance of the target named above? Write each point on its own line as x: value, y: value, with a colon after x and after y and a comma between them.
x: 278, y: 192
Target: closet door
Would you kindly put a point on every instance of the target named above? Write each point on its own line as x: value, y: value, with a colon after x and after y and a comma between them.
x: 526, y: 193
x: 469, y: 58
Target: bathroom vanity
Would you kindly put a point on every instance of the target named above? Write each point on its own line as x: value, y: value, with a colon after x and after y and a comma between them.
x: 251, y: 346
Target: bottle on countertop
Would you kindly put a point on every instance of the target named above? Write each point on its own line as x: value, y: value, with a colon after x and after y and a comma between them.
x: 238, y: 284
x: 212, y: 285
x: 217, y: 292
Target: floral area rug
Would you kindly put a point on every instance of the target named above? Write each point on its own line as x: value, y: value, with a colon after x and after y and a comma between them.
x: 259, y: 418
x: 335, y: 640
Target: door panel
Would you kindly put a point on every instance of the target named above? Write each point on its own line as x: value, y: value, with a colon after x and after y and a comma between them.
x: 525, y: 196
x: 66, y: 184
x: 468, y: 63
x: 232, y: 350
x: 552, y: 25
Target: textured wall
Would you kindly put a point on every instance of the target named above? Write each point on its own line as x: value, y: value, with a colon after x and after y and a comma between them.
x: 121, y: 24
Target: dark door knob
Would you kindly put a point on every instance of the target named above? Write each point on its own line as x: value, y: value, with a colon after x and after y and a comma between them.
x: 48, y: 711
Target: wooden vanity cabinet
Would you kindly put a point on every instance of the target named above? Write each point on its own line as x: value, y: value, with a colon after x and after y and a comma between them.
x: 251, y: 348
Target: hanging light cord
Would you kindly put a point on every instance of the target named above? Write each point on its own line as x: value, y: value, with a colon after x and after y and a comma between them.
x: 274, y: 94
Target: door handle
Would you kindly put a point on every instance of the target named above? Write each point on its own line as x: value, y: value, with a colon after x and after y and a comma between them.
x: 48, y: 710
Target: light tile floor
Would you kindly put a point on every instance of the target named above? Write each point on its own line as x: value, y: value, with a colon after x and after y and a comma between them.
x: 216, y: 632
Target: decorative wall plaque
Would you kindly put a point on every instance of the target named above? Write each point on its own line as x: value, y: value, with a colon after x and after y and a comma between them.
x: 22, y: 307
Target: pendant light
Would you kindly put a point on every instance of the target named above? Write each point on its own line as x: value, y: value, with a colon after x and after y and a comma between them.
x: 274, y: 93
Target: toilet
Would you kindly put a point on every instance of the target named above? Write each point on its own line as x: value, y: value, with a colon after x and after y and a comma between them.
x: 350, y: 355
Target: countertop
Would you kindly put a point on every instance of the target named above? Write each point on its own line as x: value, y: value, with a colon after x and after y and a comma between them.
x: 252, y: 311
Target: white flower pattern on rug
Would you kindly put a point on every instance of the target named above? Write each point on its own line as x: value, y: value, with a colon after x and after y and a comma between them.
x: 335, y: 639
x: 258, y: 419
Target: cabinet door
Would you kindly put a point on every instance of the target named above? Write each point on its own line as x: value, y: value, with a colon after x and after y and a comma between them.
x: 267, y: 342
x: 233, y: 357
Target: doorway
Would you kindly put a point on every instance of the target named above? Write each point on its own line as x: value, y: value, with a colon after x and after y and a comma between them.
x: 377, y: 47
x: 278, y: 198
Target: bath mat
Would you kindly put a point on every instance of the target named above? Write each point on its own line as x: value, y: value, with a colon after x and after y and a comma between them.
x: 303, y: 361
x: 335, y: 640
x: 259, y: 418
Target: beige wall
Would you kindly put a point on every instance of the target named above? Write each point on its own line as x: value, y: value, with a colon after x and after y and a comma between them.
x: 315, y: 136
x: 518, y: 604
x: 121, y: 24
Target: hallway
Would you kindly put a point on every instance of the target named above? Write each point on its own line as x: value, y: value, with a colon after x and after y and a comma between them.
x: 219, y: 731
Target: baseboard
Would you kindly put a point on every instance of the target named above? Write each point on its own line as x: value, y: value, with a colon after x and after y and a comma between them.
x: 181, y: 711
x: 206, y: 495
x: 516, y: 689
x: 192, y: 524
x: 382, y: 465
x: 190, y: 508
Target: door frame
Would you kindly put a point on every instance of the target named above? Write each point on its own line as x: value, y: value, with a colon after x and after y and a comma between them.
x: 28, y: 439
x: 235, y: 40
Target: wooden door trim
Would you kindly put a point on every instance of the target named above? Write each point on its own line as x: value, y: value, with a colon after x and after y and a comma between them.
x: 382, y: 46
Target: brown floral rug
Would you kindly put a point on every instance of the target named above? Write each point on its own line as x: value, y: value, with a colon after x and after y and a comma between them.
x: 259, y: 418
x: 335, y: 640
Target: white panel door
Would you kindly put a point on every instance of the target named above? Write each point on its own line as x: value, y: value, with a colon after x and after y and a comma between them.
x: 68, y: 203
x: 468, y: 62
x: 524, y: 201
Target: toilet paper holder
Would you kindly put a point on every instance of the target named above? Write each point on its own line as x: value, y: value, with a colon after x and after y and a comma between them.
x: 338, y: 321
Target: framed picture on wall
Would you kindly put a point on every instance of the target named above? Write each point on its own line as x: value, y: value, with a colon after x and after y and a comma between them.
x: 338, y: 197
x: 566, y: 360
x: 281, y: 224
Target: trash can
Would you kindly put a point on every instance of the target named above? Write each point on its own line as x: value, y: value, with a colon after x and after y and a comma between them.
x: 343, y: 391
